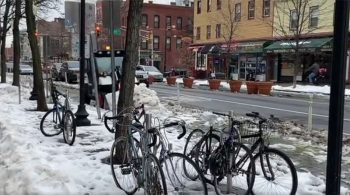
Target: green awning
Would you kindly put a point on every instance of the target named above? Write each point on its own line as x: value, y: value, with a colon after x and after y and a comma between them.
x: 305, y: 45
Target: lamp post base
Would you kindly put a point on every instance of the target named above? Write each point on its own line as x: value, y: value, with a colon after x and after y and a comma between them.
x: 82, y: 115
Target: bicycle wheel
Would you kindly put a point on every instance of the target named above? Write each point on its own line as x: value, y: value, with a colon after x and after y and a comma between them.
x: 242, y: 169
x: 193, y: 138
x: 183, y: 175
x: 50, y: 124
x: 69, y: 127
x: 124, y: 165
x: 154, y: 177
x: 275, y: 173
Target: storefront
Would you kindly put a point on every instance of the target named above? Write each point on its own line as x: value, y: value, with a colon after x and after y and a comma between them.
x: 281, y: 57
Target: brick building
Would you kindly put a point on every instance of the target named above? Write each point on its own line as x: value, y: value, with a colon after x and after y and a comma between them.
x: 169, y: 24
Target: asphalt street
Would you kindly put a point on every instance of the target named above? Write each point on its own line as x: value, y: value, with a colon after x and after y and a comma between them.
x: 287, y: 108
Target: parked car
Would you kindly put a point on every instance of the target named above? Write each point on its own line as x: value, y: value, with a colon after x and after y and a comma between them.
x: 150, y: 71
x: 25, y: 69
x: 71, y: 70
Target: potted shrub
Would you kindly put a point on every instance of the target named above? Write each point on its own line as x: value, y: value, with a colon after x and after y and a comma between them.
x: 188, y: 82
x: 252, y: 87
x: 214, y: 84
x: 150, y: 79
x: 235, y: 85
x: 264, y: 87
x: 171, y: 80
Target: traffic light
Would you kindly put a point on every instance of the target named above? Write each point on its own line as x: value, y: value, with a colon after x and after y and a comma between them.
x: 98, y: 31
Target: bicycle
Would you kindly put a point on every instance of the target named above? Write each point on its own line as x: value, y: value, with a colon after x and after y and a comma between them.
x: 183, y: 175
x: 224, y: 158
x: 60, y: 118
x: 132, y: 163
x: 275, y: 172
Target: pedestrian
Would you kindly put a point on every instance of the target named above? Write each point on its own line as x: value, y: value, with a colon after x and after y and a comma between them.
x: 314, y: 72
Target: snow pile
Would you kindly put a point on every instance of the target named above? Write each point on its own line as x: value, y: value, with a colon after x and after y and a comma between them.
x: 307, y: 89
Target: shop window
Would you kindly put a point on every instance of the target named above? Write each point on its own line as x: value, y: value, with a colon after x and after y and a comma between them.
x: 266, y: 8
x: 218, y: 31
x: 156, y: 21
x: 144, y: 21
x: 198, y: 35
x: 199, y: 6
x: 208, y: 31
x: 168, y: 22
x: 293, y: 20
x: 179, y: 23
x: 237, y: 12
x: 208, y: 5
x: 314, y: 15
x: 218, y: 4
x: 168, y: 43
x: 178, y: 42
x: 156, y: 42
x: 251, y: 9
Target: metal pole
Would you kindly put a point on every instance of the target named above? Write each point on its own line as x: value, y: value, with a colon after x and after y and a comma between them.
x: 82, y: 114
x: 336, y: 103
x: 148, y: 120
x: 93, y: 47
x: 229, y: 175
x: 19, y: 90
x: 165, y: 38
x: 178, y: 93
x: 114, y: 107
x: 309, y: 124
x: 152, y: 51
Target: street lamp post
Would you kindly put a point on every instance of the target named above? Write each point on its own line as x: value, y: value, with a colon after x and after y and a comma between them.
x: 168, y: 28
x: 82, y: 114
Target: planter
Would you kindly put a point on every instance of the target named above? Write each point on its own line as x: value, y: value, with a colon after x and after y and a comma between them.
x: 264, y: 87
x: 252, y: 87
x: 188, y: 82
x: 235, y: 85
x: 150, y: 79
x: 171, y: 80
x: 214, y: 84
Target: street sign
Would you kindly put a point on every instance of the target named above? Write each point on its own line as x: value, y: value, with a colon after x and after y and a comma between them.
x: 117, y: 31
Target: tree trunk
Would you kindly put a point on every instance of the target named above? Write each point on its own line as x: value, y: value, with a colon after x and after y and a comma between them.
x: 16, y: 43
x: 296, y: 67
x: 130, y: 61
x: 3, y: 41
x: 38, y: 77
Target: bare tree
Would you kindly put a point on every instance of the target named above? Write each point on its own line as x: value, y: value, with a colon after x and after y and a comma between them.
x: 16, y: 43
x: 5, y: 28
x: 38, y: 79
x: 131, y: 60
x: 228, y: 19
x: 293, y: 20
x: 186, y: 55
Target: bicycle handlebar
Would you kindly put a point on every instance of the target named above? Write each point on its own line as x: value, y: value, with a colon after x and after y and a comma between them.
x: 154, y: 141
x: 183, y: 133
x: 221, y: 114
x: 257, y: 115
x: 106, y: 118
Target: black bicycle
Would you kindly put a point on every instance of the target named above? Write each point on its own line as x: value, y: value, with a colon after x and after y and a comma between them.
x: 60, y: 118
x: 229, y: 161
x: 275, y: 172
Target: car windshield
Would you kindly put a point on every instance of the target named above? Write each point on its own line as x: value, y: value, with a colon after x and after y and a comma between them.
x: 150, y: 68
x: 73, y: 64
x: 104, y: 64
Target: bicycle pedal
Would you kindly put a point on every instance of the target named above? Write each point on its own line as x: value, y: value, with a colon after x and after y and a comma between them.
x: 126, y: 171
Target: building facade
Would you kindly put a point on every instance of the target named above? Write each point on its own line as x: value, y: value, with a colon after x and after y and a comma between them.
x: 230, y: 36
x: 163, y: 29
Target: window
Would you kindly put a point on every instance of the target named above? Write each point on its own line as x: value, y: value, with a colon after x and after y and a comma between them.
x: 168, y: 43
x: 178, y: 42
x: 208, y: 5
x: 156, y: 42
x: 156, y: 21
x: 144, y: 21
x: 218, y: 4
x: 179, y: 23
x: 144, y: 44
x: 238, y: 12
x: 251, y: 9
x: 218, y: 31
x: 198, y: 36
x: 168, y: 21
x: 293, y: 20
x: 208, y: 31
x: 199, y: 6
x: 314, y: 14
x: 266, y: 8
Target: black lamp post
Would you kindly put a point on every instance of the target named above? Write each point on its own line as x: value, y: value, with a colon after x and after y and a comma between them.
x: 82, y: 114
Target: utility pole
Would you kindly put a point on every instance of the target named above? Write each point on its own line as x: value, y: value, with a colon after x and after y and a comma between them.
x: 114, y: 104
x: 336, y: 102
x: 82, y: 114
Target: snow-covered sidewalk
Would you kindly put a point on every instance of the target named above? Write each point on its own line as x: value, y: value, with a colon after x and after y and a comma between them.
x: 33, y: 164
